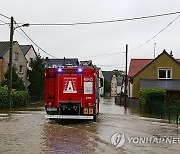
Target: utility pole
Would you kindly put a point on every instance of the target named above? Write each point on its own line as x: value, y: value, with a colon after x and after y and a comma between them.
x: 126, y: 77
x: 10, y: 59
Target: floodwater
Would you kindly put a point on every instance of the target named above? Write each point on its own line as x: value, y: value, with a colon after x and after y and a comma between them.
x: 27, y: 132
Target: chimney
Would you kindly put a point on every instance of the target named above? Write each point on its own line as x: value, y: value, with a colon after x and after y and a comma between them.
x: 171, y: 54
x: 64, y: 61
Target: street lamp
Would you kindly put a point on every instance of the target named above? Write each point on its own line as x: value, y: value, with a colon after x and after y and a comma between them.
x: 12, y: 28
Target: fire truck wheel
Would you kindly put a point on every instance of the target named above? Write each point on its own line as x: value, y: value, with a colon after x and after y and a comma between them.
x: 94, y: 118
x: 58, y: 121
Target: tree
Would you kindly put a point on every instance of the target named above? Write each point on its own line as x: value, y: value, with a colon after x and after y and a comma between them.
x: 107, y: 86
x: 17, y: 82
x: 36, y: 78
x: 117, y: 72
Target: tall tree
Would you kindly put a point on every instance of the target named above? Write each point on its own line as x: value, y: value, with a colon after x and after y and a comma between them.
x: 17, y: 82
x: 36, y: 78
x: 118, y: 72
x: 107, y: 86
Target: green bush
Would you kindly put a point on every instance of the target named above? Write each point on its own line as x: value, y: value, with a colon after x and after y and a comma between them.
x: 173, y: 105
x: 36, y: 78
x: 4, y: 100
x: 152, y: 100
x: 18, y: 98
x: 107, y: 87
x: 17, y: 82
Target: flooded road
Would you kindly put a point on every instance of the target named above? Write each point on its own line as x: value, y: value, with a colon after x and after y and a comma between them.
x: 28, y: 132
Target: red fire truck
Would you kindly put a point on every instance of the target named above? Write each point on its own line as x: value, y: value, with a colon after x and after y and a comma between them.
x: 71, y: 93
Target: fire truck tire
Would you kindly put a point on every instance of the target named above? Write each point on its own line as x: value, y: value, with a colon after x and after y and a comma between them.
x: 58, y: 121
x: 94, y: 118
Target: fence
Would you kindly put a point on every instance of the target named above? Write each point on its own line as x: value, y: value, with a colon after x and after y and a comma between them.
x: 169, y: 110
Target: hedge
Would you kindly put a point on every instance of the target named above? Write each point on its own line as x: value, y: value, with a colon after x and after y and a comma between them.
x: 4, y: 100
x: 152, y: 100
x: 18, y: 98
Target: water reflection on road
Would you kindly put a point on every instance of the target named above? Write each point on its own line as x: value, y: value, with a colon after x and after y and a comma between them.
x: 71, y: 138
x: 29, y: 132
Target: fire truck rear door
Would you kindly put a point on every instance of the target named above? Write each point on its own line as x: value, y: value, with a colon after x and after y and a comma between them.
x: 69, y: 88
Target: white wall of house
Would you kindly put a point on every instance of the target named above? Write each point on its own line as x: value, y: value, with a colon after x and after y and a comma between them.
x: 30, y: 55
x: 101, y: 89
x: 114, y: 86
x: 118, y: 90
x: 130, y: 89
x: 18, y: 60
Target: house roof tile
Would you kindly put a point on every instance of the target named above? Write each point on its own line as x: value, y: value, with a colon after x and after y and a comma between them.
x: 137, y: 65
x: 4, y: 47
x: 25, y: 48
x: 61, y: 62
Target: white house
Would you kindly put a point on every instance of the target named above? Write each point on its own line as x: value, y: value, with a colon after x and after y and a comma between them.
x: 101, y: 82
x: 113, y: 86
x: 29, y: 53
x: 120, y: 84
x: 18, y: 59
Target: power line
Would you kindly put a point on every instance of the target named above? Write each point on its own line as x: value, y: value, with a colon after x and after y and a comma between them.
x: 122, y: 65
x: 33, y: 41
x: 4, y: 23
x: 104, y: 22
x: 98, y: 22
x: 5, y: 16
x: 109, y: 65
x: 156, y: 34
x: 27, y: 39
x: 105, y: 55
x: 22, y: 35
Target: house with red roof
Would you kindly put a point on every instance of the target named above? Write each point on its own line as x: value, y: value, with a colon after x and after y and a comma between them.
x: 161, y: 72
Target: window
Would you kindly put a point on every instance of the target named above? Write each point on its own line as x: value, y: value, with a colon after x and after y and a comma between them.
x: 31, y: 60
x: 165, y: 73
x: 16, y: 56
x: 20, y: 69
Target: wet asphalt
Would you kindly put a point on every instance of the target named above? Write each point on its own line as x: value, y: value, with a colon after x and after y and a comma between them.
x: 28, y: 132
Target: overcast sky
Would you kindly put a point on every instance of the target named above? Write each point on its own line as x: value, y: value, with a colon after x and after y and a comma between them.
x: 88, y: 41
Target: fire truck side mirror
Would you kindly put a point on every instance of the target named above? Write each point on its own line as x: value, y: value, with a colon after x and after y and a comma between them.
x: 101, y: 82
